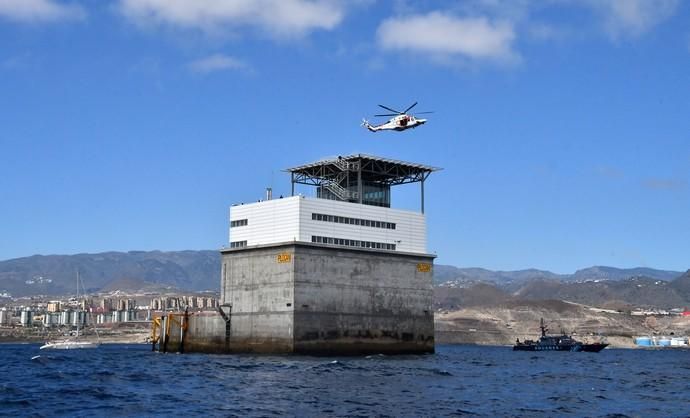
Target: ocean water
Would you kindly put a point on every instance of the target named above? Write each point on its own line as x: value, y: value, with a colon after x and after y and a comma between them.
x: 130, y: 380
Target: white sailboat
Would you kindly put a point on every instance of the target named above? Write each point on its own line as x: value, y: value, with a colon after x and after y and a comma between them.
x: 73, y: 343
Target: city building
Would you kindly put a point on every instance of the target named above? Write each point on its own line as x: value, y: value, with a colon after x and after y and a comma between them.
x: 26, y: 317
x: 5, y: 317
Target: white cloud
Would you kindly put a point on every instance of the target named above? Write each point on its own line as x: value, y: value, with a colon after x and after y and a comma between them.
x: 39, y: 11
x: 18, y: 62
x: 280, y: 18
x: 217, y: 62
x: 664, y: 184
x: 445, y: 36
x: 619, y: 18
x: 625, y: 18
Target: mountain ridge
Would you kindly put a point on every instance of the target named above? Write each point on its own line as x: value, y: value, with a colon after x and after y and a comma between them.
x: 200, y: 270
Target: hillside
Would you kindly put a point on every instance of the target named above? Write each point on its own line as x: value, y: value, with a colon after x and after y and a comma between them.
x: 635, y: 291
x: 503, y: 323
x: 596, y: 286
x: 624, y: 295
x: 200, y: 270
x: 55, y: 274
x: 444, y: 273
x: 682, y: 285
x: 459, y: 276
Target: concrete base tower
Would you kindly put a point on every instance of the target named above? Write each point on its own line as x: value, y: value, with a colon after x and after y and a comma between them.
x: 310, y: 298
x: 338, y: 273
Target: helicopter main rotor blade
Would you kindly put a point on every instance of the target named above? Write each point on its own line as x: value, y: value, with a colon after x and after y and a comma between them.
x: 422, y: 113
x: 389, y: 114
x: 408, y: 109
x: 397, y: 112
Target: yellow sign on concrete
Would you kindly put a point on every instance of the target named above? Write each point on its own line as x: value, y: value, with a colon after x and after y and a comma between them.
x: 423, y: 267
x: 284, y: 258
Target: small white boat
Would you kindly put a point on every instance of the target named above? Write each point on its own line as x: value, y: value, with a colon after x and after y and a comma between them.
x: 71, y: 344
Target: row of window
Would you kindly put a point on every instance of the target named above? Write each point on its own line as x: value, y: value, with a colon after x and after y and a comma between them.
x: 374, y: 195
x: 239, y: 222
x: 352, y: 243
x: 238, y: 244
x: 352, y: 221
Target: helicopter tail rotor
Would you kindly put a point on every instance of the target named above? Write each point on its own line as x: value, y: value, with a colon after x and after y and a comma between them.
x: 367, y: 125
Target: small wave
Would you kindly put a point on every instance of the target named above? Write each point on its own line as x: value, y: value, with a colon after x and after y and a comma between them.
x: 13, y: 403
x: 463, y: 412
x: 375, y: 356
x: 443, y: 372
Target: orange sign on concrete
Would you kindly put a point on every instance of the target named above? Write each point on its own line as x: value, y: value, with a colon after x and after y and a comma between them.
x: 423, y: 267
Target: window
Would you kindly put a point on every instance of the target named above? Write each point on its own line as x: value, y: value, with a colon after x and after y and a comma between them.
x: 352, y: 243
x: 351, y: 221
x: 238, y: 244
x: 238, y: 222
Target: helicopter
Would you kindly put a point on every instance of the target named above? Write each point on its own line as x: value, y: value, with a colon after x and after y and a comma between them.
x: 399, y: 122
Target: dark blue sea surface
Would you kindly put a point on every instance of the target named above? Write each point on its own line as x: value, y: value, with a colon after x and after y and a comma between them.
x: 130, y: 380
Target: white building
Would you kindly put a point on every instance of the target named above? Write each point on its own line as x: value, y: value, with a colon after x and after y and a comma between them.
x: 5, y: 316
x: 305, y: 219
x: 352, y: 208
x: 26, y: 317
x: 51, y: 319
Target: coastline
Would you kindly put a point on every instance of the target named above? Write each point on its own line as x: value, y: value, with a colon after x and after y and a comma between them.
x: 502, y: 325
x: 130, y: 337
x: 488, y: 326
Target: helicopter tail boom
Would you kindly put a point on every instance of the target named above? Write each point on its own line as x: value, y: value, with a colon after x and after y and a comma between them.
x: 367, y: 125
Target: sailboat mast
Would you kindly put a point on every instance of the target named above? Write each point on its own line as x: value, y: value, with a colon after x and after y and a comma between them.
x: 78, y: 308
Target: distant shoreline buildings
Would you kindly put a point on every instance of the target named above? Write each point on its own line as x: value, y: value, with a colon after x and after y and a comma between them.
x: 101, y: 311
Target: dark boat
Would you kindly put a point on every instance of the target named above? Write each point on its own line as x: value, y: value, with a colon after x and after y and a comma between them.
x: 556, y: 343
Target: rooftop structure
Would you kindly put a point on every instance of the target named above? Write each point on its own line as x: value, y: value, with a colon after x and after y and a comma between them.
x: 360, y: 178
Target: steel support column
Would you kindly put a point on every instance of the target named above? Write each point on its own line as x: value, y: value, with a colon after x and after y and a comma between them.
x: 422, y: 183
x: 359, y: 181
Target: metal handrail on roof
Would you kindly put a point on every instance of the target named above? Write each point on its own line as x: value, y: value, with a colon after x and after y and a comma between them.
x: 373, y: 169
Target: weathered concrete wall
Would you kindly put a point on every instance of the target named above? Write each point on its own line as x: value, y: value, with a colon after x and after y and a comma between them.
x: 206, y: 333
x: 309, y: 298
x: 354, y: 301
x: 257, y: 291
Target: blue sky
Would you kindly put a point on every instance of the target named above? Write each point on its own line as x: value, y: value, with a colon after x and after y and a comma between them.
x: 562, y: 126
